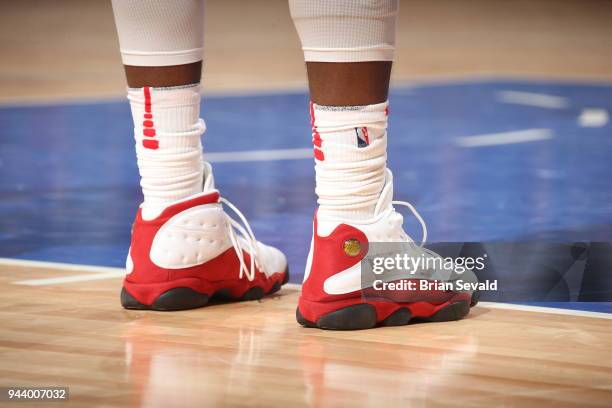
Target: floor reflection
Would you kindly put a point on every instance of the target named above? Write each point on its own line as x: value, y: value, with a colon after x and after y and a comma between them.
x: 216, y: 364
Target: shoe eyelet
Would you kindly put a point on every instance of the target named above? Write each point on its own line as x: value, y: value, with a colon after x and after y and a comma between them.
x: 352, y: 247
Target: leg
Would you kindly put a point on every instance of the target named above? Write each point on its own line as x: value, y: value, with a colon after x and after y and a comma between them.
x: 184, y: 247
x: 163, y: 77
x: 161, y: 47
x: 333, y: 83
x: 161, y: 42
x: 348, y: 47
x: 345, y: 43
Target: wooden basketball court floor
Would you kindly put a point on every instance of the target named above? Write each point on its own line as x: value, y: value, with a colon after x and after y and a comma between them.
x: 254, y: 353
x: 61, y: 324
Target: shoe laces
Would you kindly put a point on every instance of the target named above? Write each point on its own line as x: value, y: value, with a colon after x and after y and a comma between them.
x: 242, y: 239
x: 417, y: 216
x: 424, y: 251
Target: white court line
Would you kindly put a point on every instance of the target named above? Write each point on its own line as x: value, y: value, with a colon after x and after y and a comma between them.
x: 593, y: 117
x: 503, y: 138
x: 542, y: 309
x: 65, y: 266
x: 92, y: 272
x: 259, y: 155
x: 533, y: 99
x: 111, y: 273
x: 119, y: 273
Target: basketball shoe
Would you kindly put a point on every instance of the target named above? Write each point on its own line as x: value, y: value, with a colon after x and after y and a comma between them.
x: 333, y: 293
x: 193, y: 251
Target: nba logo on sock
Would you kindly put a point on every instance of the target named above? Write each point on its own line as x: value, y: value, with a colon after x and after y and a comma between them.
x: 362, y: 137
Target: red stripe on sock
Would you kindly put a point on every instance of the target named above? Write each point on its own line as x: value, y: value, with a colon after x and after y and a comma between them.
x: 311, y: 106
x: 148, y: 132
x: 316, y: 137
x: 150, y: 144
x: 147, y: 96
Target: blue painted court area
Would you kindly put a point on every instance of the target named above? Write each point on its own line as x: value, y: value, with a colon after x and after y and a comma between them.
x: 69, y: 182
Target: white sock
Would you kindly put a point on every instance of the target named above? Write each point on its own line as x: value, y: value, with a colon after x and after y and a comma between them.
x: 350, y: 144
x: 167, y: 129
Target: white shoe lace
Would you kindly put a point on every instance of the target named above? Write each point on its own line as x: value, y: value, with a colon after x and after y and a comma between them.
x: 431, y: 274
x: 244, y: 240
x: 417, y: 216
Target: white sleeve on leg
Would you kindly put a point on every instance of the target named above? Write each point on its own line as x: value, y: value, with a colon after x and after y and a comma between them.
x: 160, y: 32
x: 346, y: 30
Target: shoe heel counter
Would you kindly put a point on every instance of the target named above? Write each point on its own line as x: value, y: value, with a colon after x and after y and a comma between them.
x: 138, y: 264
x: 163, y: 247
x: 345, y: 247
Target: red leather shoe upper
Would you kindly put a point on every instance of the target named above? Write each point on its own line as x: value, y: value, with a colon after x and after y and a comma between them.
x: 329, y: 258
x: 143, y: 233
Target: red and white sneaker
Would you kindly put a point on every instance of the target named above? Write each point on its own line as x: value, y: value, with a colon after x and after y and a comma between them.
x: 333, y: 294
x: 193, y: 251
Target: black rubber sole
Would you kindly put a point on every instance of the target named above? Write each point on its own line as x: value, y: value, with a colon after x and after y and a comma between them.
x: 187, y: 298
x: 475, y: 298
x: 363, y: 316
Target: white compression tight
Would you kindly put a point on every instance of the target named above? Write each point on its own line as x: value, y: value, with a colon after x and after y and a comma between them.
x: 162, y: 33
x: 159, y: 33
x: 346, y: 30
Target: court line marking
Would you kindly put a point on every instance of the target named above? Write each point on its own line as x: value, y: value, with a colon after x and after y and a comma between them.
x: 259, y: 155
x: 66, y: 266
x: 104, y: 272
x: 544, y: 309
x: 503, y: 138
x: 93, y: 272
x: 593, y: 117
x: 72, y: 278
x: 533, y: 99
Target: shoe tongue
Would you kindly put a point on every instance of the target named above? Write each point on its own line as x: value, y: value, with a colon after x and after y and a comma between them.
x: 386, y: 195
x: 209, y: 180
